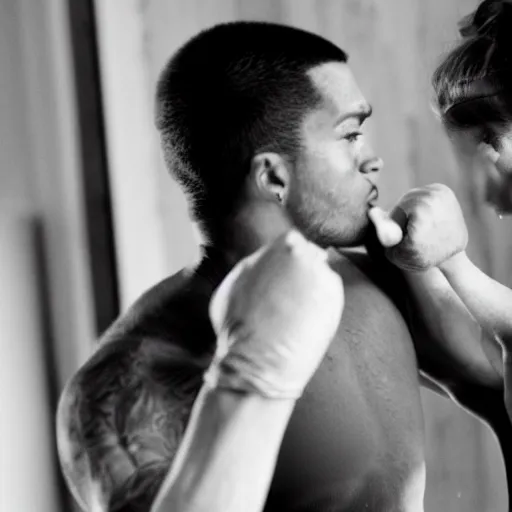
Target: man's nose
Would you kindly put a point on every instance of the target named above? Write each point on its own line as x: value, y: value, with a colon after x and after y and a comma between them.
x: 372, y: 165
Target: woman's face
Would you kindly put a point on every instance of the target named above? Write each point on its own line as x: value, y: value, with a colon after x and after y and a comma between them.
x: 489, y: 149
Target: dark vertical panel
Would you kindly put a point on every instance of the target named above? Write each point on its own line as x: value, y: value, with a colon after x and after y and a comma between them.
x: 94, y: 163
x: 42, y: 280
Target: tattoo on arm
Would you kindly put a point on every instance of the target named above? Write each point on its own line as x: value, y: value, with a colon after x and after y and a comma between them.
x: 122, y: 419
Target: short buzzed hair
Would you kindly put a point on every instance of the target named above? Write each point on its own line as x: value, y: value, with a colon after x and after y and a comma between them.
x: 230, y: 92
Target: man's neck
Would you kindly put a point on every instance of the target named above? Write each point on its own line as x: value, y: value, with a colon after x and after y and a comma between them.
x: 250, y: 228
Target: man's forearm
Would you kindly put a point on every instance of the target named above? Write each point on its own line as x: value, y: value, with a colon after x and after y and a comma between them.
x: 489, y: 301
x: 227, y: 458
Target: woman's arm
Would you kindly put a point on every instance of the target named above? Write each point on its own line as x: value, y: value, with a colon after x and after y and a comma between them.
x: 490, y: 302
x: 449, y: 334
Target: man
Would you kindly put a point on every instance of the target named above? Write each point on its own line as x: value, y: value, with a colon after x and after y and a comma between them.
x: 262, y: 126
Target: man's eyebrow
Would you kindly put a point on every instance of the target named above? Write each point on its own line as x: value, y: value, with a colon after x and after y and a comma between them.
x: 361, y: 113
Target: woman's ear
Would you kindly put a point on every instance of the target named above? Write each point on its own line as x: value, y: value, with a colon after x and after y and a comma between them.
x: 270, y: 177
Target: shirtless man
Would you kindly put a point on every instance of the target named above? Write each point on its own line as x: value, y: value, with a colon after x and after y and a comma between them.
x: 262, y: 125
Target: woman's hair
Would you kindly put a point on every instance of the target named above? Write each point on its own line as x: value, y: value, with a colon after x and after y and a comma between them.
x: 473, y: 84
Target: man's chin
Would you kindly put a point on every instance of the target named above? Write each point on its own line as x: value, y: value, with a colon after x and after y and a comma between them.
x: 355, y: 238
x: 359, y: 239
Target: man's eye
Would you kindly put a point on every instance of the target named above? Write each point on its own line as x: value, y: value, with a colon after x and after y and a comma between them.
x: 353, y: 136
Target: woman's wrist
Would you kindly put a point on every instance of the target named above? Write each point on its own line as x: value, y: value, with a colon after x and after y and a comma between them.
x: 454, y: 263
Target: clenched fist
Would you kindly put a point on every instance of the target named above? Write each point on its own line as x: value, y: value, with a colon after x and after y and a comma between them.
x: 275, y: 315
x: 423, y: 230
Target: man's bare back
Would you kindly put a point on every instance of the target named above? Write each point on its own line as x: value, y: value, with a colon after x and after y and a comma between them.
x: 355, y: 439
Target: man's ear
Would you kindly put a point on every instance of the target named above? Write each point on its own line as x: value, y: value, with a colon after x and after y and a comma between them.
x: 270, y: 177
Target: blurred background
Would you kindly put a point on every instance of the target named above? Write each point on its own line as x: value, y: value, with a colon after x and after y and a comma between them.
x: 89, y: 218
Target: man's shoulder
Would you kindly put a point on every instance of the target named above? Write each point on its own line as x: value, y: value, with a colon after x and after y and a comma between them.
x: 357, y: 259
x: 174, y: 310
x: 122, y: 416
x: 357, y: 266
x: 125, y: 363
x: 352, y: 256
x: 124, y: 371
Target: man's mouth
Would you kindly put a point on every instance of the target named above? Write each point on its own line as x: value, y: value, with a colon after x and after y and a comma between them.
x: 373, y: 196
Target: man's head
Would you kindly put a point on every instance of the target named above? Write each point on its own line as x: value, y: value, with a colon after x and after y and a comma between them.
x: 258, y: 111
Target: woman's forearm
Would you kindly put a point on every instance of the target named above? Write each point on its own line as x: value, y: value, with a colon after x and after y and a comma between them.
x: 441, y: 317
x: 227, y: 458
x: 490, y: 302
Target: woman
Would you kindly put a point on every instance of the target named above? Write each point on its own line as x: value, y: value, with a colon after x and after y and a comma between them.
x: 473, y: 86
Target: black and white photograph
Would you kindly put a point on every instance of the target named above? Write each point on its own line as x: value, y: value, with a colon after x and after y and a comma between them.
x: 256, y: 255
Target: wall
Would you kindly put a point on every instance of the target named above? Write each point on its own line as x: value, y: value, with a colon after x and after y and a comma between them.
x: 45, y: 320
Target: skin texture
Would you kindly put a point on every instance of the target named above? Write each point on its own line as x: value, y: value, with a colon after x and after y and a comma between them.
x: 125, y: 414
x: 131, y: 432
x: 330, y: 204
x: 275, y: 315
x: 355, y: 439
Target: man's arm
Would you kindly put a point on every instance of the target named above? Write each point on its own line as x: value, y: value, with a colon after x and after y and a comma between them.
x: 227, y: 457
x: 120, y: 421
x: 117, y: 445
x: 275, y: 314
